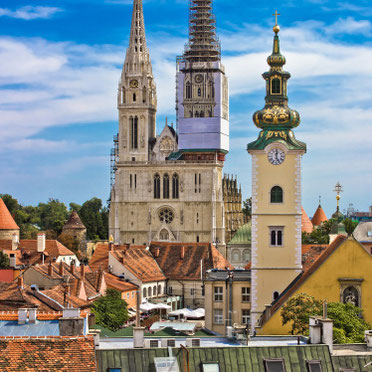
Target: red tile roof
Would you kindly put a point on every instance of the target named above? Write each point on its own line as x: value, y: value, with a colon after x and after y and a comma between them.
x: 310, y: 253
x: 6, y: 220
x: 306, y: 224
x: 100, y: 255
x: 114, y: 282
x: 139, y: 261
x: 319, y: 216
x: 182, y: 261
x: 47, y: 354
x: 27, y: 253
x: 74, y: 222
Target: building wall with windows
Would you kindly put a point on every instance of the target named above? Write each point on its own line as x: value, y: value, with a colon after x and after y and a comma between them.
x: 169, y: 201
x: 217, y: 300
x: 341, y: 274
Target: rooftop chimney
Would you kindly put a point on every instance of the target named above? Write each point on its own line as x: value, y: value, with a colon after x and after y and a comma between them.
x: 22, y: 316
x: 32, y: 315
x: 50, y: 269
x: 72, y: 266
x: 15, y: 241
x: 82, y: 271
x: 182, y: 254
x: 157, y: 252
x: 61, y: 268
x: 12, y: 260
x: 41, y: 242
x: 71, y: 324
x: 20, y: 282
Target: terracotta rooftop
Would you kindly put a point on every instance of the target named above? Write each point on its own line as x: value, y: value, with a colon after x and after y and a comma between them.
x: 27, y: 253
x: 310, y: 253
x: 182, y: 261
x: 93, y: 282
x: 6, y: 220
x: 64, y: 354
x: 114, y: 282
x: 100, y: 255
x: 140, y: 262
x: 306, y: 224
x: 319, y: 216
x: 74, y: 222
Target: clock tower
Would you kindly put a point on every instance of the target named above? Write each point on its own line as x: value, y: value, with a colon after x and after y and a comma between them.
x: 276, y: 190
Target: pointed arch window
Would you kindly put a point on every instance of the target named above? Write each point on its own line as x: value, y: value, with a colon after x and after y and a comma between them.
x: 166, y: 186
x: 175, y: 186
x: 164, y: 235
x: 188, y: 90
x: 275, y: 86
x: 156, y: 186
x: 199, y: 92
x: 276, y: 195
x: 134, y: 132
x: 144, y: 93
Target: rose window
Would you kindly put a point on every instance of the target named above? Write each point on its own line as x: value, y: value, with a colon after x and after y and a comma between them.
x: 166, y: 215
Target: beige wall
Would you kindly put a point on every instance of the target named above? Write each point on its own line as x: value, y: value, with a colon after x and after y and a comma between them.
x: 237, y: 307
x: 31, y: 276
x: 273, y: 268
x: 8, y: 234
x: 134, y: 211
x: 190, y: 289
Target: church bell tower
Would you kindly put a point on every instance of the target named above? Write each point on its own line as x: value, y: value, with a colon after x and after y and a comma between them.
x: 276, y: 190
x: 137, y: 95
x: 202, y: 98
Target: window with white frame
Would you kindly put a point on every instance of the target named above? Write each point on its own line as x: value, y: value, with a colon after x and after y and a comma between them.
x: 276, y: 236
x: 246, y: 294
x: 246, y: 316
x: 218, y: 294
x: 218, y: 316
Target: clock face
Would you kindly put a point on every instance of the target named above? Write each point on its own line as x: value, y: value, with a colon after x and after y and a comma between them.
x: 276, y: 156
x: 199, y: 78
x: 133, y: 83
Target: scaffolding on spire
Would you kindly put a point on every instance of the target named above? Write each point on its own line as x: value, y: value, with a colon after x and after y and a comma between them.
x: 203, y: 45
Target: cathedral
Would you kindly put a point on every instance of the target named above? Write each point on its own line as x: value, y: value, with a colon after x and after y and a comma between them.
x: 171, y: 187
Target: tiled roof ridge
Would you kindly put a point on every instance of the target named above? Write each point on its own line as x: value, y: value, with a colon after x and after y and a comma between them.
x: 90, y: 337
x: 301, y: 278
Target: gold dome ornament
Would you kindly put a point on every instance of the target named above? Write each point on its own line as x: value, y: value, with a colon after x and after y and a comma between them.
x: 276, y: 29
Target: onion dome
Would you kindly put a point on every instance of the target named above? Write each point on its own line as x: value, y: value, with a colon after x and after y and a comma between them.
x: 276, y: 119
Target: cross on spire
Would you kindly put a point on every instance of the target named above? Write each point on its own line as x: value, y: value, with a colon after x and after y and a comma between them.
x: 338, y: 188
x: 276, y: 14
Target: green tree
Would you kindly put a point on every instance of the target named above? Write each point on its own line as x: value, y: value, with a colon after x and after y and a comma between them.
x: 110, y: 310
x: 52, y: 215
x: 95, y: 218
x: 348, y: 323
x: 350, y: 225
x: 4, y: 260
x: 298, y: 310
x: 320, y: 234
x: 247, y: 207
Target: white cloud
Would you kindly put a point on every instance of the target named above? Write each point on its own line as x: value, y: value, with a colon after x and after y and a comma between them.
x: 30, y: 12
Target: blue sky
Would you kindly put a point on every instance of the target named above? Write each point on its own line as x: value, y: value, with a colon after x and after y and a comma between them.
x: 60, y: 62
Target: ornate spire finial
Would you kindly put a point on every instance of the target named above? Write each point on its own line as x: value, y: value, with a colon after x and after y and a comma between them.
x: 320, y: 199
x: 338, y: 190
x: 276, y: 28
x: 137, y: 42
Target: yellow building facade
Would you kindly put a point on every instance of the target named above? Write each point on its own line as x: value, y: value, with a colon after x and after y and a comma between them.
x: 341, y: 274
x: 276, y: 190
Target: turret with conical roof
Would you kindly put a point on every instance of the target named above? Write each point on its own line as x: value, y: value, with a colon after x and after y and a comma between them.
x: 306, y: 224
x: 76, y: 229
x: 319, y: 216
x: 276, y: 120
x: 8, y: 226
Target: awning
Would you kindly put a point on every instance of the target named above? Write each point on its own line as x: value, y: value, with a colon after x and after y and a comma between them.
x: 148, y: 306
x: 187, y: 313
